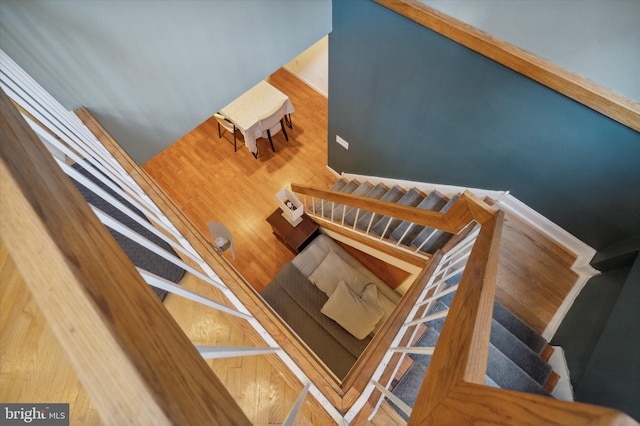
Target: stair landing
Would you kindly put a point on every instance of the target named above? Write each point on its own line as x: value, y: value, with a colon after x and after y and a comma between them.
x: 534, y: 274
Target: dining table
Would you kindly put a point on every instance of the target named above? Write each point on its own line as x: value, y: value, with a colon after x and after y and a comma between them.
x: 246, y: 111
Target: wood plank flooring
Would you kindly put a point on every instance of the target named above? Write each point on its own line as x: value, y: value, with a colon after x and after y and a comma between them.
x: 210, y: 182
x: 256, y: 382
x: 534, y: 274
x: 33, y: 365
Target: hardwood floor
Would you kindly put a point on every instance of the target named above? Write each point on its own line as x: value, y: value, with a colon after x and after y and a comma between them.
x: 257, y: 383
x: 35, y: 369
x: 210, y: 182
x: 534, y: 274
x: 33, y: 365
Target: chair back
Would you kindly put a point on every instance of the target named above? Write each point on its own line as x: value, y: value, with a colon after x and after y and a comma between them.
x: 224, y: 122
x: 271, y: 120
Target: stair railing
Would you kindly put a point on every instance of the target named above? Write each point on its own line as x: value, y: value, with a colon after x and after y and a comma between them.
x: 453, y: 390
x: 462, y: 215
x: 85, y: 287
x: 449, y: 265
x: 93, y: 287
x: 455, y: 221
x: 91, y: 294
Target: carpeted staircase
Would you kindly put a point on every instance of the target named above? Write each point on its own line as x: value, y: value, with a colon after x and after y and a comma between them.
x: 516, y: 361
x: 139, y: 255
x: 517, y: 354
x: 418, y: 238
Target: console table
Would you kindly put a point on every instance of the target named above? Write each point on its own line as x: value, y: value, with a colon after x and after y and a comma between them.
x: 295, y: 238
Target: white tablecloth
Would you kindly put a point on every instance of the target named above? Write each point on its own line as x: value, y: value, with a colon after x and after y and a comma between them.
x: 250, y: 107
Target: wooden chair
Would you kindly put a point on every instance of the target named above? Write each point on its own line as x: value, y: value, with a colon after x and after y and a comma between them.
x: 272, y: 124
x: 225, y: 123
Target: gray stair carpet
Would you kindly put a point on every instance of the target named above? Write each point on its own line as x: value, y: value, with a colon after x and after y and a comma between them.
x: 339, y: 210
x: 429, y: 339
x: 392, y: 196
x: 326, y: 209
x: 434, y: 202
x: 337, y: 186
x: 510, y: 364
x: 139, y: 255
x: 508, y: 375
x: 436, y: 238
x: 518, y: 328
x: 508, y: 320
x: 376, y: 193
x: 387, y: 224
x: 529, y: 361
x: 513, y: 348
x: 408, y: 386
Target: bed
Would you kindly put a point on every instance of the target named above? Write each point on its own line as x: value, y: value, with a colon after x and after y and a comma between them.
x: 332, y: 302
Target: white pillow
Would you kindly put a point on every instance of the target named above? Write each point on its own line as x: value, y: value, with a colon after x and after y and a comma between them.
x: 354, y: 314
x: 374, y: 298
x: 333, y: 269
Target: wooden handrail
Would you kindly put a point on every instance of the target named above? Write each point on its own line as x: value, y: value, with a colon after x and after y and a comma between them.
x: 362, y: 371
x: 90, y: 293
x: 341, y: 395
x: 462, y: 349
x: 342, y: 399
x: 419, y: 216
x: 469, y: 403
x: 570, y: 84
x: 287, y: 339
x: 467, y: 208
x: 417, y: 260
x: 453, y: 390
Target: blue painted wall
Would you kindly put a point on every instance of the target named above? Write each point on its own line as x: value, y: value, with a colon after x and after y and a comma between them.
x: 415, y: 105
x: 612, y: 376
x: 151, y: 71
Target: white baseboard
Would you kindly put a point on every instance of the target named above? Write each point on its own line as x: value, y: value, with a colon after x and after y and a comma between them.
x: 338, y: 176
x: 566, y: 304
x: 306, y: 81
x: 563, y: 390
